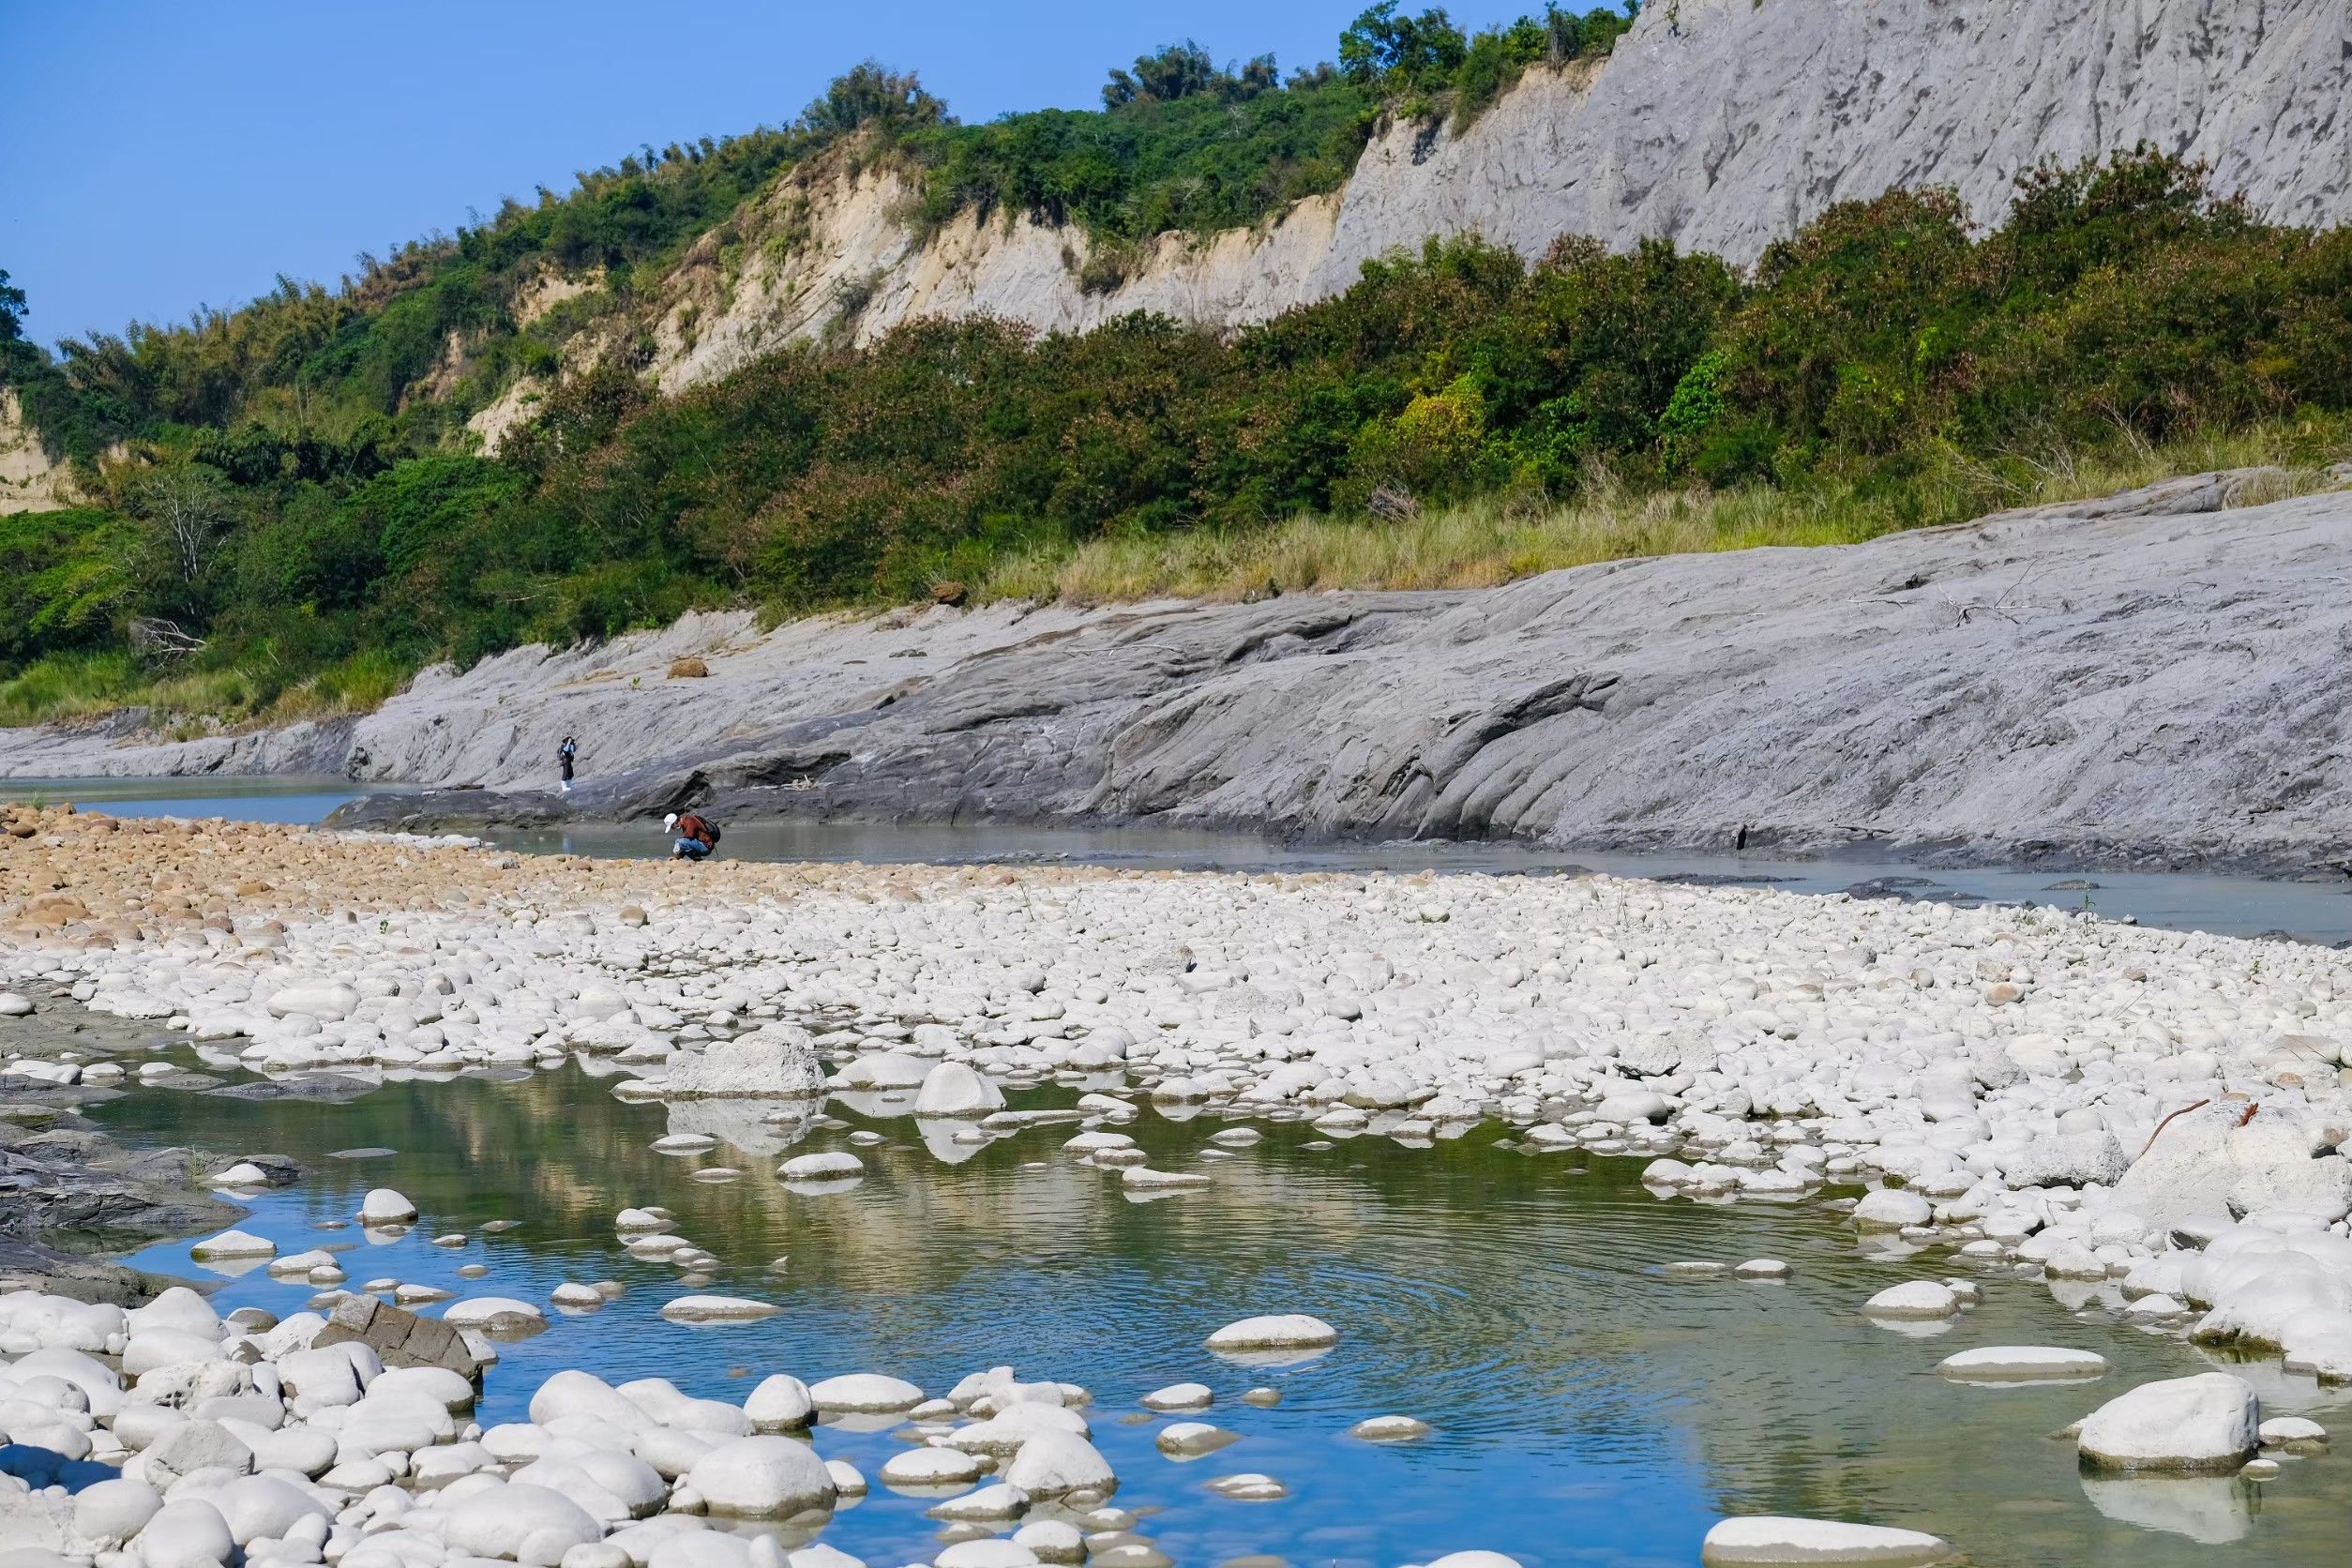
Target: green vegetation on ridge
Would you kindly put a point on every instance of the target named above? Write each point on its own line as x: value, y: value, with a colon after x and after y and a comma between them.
x: 293, y: 527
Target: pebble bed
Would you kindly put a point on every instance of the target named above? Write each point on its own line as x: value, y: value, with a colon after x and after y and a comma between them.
x: 2046, y: 1096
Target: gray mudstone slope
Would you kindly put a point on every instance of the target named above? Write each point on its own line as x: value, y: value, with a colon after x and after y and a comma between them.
x: 1721, y: 125
x: 2141, y: 680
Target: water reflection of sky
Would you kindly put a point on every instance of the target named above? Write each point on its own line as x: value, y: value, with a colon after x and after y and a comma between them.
x: 1589, y: 1409
x: 275, y: 799
x: 2231, y: 906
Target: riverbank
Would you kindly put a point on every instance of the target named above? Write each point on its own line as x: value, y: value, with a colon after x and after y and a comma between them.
x: 2150, y: 682
x: 1318, y: 993
x: 1993, y: 1094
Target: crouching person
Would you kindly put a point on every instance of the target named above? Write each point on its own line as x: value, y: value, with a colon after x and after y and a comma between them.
x: 697, y: 835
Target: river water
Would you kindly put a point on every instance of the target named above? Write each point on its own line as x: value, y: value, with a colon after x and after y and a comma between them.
x: 1589, y: 1407
x: 2229, y: 906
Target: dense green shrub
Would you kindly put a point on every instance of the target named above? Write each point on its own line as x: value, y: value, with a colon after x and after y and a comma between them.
x: 1884, y: 342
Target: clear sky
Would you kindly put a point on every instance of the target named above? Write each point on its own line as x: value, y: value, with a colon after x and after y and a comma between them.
x: 157, y: 156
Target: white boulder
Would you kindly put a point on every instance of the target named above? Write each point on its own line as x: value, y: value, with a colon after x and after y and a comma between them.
x: 954, y: 1090
x: 2208, y: 1422
x: 762, y: 1477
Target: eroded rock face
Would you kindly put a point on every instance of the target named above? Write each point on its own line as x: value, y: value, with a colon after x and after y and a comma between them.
x: 1819, y: 694
x: 1719, y: 124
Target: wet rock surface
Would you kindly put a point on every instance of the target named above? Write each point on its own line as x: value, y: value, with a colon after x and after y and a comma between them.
x: 66, y: 1189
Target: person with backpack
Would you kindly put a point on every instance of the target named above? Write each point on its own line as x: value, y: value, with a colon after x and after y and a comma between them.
x: 565, y: 756
x: 698, y: 836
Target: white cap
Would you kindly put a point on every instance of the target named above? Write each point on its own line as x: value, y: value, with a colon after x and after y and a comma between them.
x: 670, y: 821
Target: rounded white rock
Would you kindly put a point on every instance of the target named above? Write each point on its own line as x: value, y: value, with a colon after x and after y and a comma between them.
x: 234, y: 1244
x: 113, y: 1511
x: 1913, y: 1300
x: 1053, y: 1463
x: 189, y: 1533
x: 986, y: 1553
x: 865, y: 1394
x: 2280, y: 1431
x: 954, y: 1090
x: 779, y: 1402
x: 384, y: 1206
x: 507, y: 1521
x: 497, y: 1314
x: 1769, y: 1539
x: 1180, y: 1396
x: 932, y: 1466
x: 2208, y: 1424
x: 830, y: 1165
x: 762, y: 1477
x: 718, y: 1310
x: 1280, y: 1332
x: 1892, y: 1209
x: 1996, y: 1364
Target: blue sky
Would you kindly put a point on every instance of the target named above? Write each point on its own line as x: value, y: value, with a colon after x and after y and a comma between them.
x: 154, y: 158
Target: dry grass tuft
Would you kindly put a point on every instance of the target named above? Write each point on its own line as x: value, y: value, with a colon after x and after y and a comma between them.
x: 1494, y: 540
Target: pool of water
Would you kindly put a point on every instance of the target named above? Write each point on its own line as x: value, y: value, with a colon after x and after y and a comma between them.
x: 2229, y: 906
x: 279, y: 798
x: 1588, y: 1408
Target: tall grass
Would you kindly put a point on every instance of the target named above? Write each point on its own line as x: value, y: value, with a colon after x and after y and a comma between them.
x: 1494, y: 540
x: 182, y: 702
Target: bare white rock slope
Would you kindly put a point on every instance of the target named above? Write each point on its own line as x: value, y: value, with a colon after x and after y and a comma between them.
x: 2096, y: 681
x: 1721, y: 125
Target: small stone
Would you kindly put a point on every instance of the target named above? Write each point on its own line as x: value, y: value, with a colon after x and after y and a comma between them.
x: 1191, y: 1439
x: 1180, y: 1396
x: 1289, y: 1332
x: 1390, y: 1428
x: 234, y: 1244
x: 832, y: 1165
x: 865, y: 1394
x: 1776, y: 1540
x: 2009, y: 1364
x: 1249, y: 1488
x: 923, y: 1468
x: 1914, y: 1300
x: 718, y: 1310
x: 493, y: 1313
x: 1052, y: 1540
x: 2291, y: 1431
x: 384, y: 1206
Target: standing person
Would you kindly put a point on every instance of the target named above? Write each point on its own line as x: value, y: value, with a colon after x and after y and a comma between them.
x: 565, y: 756
x: 698, y: 836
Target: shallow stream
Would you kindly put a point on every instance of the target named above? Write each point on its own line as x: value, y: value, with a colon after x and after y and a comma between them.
x: 1588, y: 1408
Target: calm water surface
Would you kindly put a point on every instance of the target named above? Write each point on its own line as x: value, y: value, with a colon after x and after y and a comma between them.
x: 2231, y: 906
x: 1589, y: 1409
x: 279, y: 798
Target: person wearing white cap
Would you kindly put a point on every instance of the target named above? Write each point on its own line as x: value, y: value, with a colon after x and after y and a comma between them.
x: 697, y: 835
